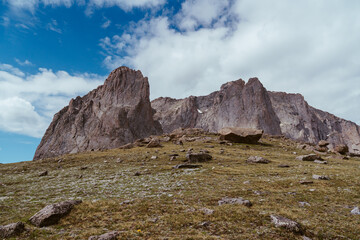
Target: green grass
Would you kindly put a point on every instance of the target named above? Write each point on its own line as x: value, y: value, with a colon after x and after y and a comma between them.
x: 165, y: 203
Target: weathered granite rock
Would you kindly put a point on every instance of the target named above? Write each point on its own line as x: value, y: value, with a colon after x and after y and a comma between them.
x: 198, y: 157
x: 341, y: 148
x: 114, y: 114
x: 107, y: 236
x: 250, y: 105
x: 257, y: 159
x: 240, y: 135
x: 187, y: 166
x: 239, y: 200
x: 320, y: 177
x: 11, y: 230
x: 51, y: 214
x: 154, y: 143
x: 310, y: 157
x: 355, y: 211
x: 323, y: 143
x: 286, y: 223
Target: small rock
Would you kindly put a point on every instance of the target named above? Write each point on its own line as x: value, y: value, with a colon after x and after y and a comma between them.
x: 12, y: 229
x: 44, y: 173
x: 126, y: 202
x: 306, y: 182
x: 320, y: 177
x: 209, y: 146
x: 205, y: 224
x: 207, y: 211
x: 304, y: 204
x: 137, y: 174
x: 107, y: 236
x: 283, y: 166
x: 83, y: 168
x: 204, y: 151
x: 286, y: 223
x: 310, y: 157
x: 355, y: 211
x: 186, y: 166
x: 239, y: 200
x: 257, y: 159
x: 172, y: 158
x: 154, y: 143
x: 119, y: 160
x: 182, y: 150
x: 154, y: 157
x: 51, y: 214
x: 198, y: 157
x: 306, y: 238
x: 222, y: 151
x: 320, y: 162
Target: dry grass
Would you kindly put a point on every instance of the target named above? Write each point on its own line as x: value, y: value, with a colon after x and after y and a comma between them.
x: 164, y: 203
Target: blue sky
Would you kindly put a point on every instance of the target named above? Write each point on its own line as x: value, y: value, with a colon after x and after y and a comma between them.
x: 54, y: 50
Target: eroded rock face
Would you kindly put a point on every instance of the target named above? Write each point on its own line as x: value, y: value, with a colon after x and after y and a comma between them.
x: 250, y: 105
x: 236, y: 105
x: 114, y: 114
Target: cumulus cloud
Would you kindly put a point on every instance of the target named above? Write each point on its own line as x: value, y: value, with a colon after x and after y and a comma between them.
x: 306, y: 47
x: 28, y: 102
x: 32, y: 5
x: 23, y: 63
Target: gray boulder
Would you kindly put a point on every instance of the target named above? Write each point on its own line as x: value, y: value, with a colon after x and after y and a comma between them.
x: 51, y: 214
x: 286, y: 223
x: 310, y: 157
x: 198, y: 157
x: 107, y: 236
x: 239, y: 200
x: 12, y: 229
x: 355, y: 211
x: 257, y: 159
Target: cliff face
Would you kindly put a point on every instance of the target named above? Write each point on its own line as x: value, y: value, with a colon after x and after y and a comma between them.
x: 112, y: 115
x: 250, y: 105
x: 236, y: 104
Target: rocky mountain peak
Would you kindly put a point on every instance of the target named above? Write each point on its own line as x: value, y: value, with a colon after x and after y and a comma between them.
x: 112, y: 115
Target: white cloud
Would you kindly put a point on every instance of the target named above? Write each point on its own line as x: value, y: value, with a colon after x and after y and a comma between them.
x: 106, y: 24
x: 24, y: 63
x: 28, y: 102
x: 305, y: 47
x: 53, y: 26
x: 32, y: 5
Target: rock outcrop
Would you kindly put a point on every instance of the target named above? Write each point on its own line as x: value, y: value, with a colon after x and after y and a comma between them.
x: 250, y: 105
x: 114, y: 114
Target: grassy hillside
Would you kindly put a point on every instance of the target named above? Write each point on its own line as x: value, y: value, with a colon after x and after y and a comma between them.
x: 145, y: 198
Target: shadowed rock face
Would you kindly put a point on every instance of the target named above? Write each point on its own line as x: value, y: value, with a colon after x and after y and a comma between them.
x: 250, y: 105
x: 112, y: 115
x: 236, y: 105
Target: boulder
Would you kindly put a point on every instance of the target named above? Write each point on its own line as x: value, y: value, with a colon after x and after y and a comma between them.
x: 154, y: 143
x: 239, y: 200
x: 114, y: 114
x: 323, y: 143
x: 341, y: 148
x: 320, y: 177
x: 198, y: 157
x: 257, y: 159
x: 241, y: 135
x: 310, y: 157
x: 11, y: 230
x: 51, y: 214
x: 107, y: 236
x: 187, y: 166
x: 286, y: 223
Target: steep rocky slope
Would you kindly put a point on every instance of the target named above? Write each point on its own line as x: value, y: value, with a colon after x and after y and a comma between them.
x: 250, y: 105
x: 114, y: 114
